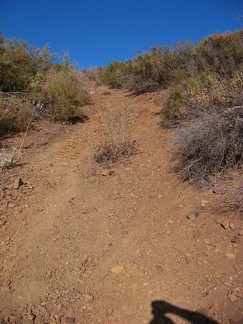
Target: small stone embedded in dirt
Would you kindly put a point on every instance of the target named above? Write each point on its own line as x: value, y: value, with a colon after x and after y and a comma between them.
x: 11, y: 205
x: 235, y: 239
x: 230, y: 255
x: 18, y: 183
x: 203, y: 202
x: 188, y: 257
x: 207, y: 241
x: 107, y: 173
x: 109, y: 311
x: 193, y: 215
x: 88, y: 298
x: 117, y: 269
x: 225, y: 224
x: 207, y: 292
x: 232, y: 297
x: 240, y: 232
x: 68, y: 320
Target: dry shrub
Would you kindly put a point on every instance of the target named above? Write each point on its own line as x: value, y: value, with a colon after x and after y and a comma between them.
x: 109, y: 154
x: 230, y: 192
x: 16, y: 113
x: 202, y: 93
x: 209, y: 144
x: 116, y: 141
x: 62, y: 90
x: 9, y: 158
x: 236, y: 197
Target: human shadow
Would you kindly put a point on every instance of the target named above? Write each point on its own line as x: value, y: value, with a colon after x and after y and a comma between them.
x: 161, y: 308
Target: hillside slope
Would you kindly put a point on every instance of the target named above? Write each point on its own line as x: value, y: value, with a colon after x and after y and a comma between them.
x: 80, y: 242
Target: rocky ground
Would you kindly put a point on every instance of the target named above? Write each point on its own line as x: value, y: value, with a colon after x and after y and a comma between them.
x: 84, y: 244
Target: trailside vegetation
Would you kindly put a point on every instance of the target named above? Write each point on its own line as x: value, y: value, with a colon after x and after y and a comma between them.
x: 31, y: 82
x: 205, y: 101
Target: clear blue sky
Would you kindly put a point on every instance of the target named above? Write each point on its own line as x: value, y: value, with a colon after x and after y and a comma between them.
x: 95, y: 32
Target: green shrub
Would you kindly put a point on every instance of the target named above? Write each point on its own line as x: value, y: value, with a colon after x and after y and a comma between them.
x: 63, y: 92
x: 203, y: 93
x: 20, y: 62
x: 220, y: 53
x: 112, y: 74
x: 164, y: 66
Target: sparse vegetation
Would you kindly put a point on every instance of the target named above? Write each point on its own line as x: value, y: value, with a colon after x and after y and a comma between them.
x: 29, y: 77
x: 210, y: 143
x: 15, y: 113
x: 63, y: 92
x: 205, y: 81
x: 116, y: 141
x: 203, y: 93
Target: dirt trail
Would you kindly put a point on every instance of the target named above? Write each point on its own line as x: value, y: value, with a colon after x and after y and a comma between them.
x: 77, y: 242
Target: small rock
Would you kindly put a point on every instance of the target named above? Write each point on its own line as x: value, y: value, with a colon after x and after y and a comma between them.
x: 107, y: 173
x: 207, y: 241
x: 88, y: 298
x: 69, y: 320
x: 53, y: 320
x: 235, y: 239
x: 225, y: 224
x: 193, y: 215
x: 240, y: 232
x: 207, y: 292
x: 109, y: 311
x: 231, y: 225
x: 117, y: 269
x: 11, y: 205
x: 232, y: 297
x: 188, y: 257
x: 230, y: 255
x: 17, y: 183
x: 203, y: 203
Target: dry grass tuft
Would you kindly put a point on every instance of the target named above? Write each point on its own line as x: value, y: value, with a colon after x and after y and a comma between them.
x: 116, y: 142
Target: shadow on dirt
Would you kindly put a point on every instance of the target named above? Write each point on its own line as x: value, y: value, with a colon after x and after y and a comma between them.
x: 161, y: 308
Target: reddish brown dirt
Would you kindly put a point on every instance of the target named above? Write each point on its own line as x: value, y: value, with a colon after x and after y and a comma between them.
x: 77, y: 242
